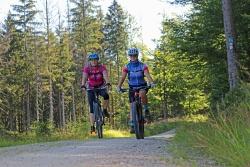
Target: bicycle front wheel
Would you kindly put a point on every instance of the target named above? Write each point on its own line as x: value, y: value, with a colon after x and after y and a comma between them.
x: 98, y: 120
x: 138, y: 121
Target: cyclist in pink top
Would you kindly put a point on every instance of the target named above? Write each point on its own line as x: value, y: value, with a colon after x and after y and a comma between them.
x: 96, y: 76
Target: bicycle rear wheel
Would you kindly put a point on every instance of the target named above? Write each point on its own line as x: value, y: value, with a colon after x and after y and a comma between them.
x: 98, y: 120
x: 100, y: 132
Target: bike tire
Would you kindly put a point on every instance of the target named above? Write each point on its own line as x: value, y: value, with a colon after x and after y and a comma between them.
x: 98, y: 120
x: 135, y: 120
x: 100, y: 124
x: 100, y: 132
x: 140, y: 120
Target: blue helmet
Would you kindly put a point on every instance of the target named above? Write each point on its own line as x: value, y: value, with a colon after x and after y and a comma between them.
x: 93, y: 56
x: 133, y: 51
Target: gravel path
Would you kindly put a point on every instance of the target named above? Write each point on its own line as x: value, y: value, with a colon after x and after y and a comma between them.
x: 120, y: 152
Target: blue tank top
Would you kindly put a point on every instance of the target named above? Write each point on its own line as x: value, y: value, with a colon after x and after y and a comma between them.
x: 136, y: 74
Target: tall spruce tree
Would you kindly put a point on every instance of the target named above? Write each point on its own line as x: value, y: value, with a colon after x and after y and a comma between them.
x: 86, y: 27
x: 25, y: 22
x: 86, y: 34
x: 9, y: 98
x: 115, y: 45
x: 64, y: 74
x: 116, y: 36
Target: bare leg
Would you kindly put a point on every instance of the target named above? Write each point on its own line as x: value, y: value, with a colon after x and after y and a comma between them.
x: 144, y: 101
x: 105, y: 104
x: 92, y: 119
x: 130, y: 113
x: 143, y: 96
x: 131, y: 124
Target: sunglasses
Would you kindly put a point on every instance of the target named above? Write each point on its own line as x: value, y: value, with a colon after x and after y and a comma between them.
x: 133, y: 55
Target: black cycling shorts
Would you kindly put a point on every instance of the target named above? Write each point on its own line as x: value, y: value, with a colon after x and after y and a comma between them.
x: 91, y: 97
x: 132, y: 91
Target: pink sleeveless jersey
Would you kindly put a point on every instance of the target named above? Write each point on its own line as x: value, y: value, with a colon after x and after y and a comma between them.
x: 95, y: 74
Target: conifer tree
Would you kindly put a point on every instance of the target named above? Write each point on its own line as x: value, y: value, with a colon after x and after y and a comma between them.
x: 25, y: 22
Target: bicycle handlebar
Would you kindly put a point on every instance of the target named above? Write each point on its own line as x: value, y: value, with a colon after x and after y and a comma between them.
x: 135, y: 88
x: 99, y: 88
x: 96, y: 88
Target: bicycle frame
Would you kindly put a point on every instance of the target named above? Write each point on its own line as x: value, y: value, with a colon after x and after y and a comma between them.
x: 137, y: 114
x: 98, y: 113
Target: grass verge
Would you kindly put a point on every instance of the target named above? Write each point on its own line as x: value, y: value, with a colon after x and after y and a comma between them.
x: 224, y: 136
x: 78, y: 132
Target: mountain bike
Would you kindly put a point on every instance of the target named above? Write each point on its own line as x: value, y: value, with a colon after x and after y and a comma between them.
x: 136, y: 109
x: 98, y: 112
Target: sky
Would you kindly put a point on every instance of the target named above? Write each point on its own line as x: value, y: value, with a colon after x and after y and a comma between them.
x: 148, y: 14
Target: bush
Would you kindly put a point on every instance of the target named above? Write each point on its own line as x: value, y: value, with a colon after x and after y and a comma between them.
x: 43, y: 129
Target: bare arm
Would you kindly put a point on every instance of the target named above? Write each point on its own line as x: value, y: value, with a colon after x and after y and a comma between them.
x: 149, y: 78
x: 122, y: 79
x: 105, y: 76
x: 84, y: 78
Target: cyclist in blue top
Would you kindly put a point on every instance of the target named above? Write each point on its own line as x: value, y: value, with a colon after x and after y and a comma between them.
x: 136, y: 71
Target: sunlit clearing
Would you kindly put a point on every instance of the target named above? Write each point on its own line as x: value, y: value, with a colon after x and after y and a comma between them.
x: 116, y: 133
x: 197, y: 118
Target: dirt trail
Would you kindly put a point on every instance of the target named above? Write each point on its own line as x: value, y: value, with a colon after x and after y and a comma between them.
x: 119, y: 152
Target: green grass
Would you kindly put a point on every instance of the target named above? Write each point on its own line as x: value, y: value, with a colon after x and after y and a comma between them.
x: 78, y: 132
x: 183, y: 146
x: 225, y: 136
x: 228, y: 138
x: 29, y: 138
x: 150, y: 129
x: 224, y: 139
x: 111, y: 133
x: 159, y: 127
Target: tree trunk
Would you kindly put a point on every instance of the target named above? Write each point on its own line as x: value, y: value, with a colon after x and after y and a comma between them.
x: 19, y: 121
x: 63, y: 111
x: 37, y: 84
x: 118, y: 67
x: 51, y: 109
x: 112, y: 101
x: 11, y: 115
x: 165, y: 112
x: 28, y: 108
x: 23, y: 117
x: 37, y: 100
x: 59, y: 110
x: 73, y: 104
x: 230, y: 42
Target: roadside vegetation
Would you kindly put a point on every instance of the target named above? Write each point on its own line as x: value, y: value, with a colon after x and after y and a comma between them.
x: 80, y: 131
x: 223, y: 135
x: 41, y: 71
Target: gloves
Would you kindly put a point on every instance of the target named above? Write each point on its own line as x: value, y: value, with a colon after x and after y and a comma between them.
x: 108, y: 85
x: 83, y: 87
x: 119, y: 89
x: 152, y: 85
